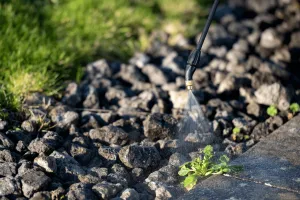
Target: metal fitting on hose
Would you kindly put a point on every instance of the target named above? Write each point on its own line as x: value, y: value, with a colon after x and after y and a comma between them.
x: 189, y: 85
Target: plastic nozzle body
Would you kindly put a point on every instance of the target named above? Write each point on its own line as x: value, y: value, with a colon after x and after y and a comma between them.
x: 192, y: 64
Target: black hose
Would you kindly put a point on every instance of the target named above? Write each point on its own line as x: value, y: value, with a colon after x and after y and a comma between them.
x: 194, y: 57
x: 207, y: 25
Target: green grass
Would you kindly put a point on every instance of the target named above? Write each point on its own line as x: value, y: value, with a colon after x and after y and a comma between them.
x: 46, y: 42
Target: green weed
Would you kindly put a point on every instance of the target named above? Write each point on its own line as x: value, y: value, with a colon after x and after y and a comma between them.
x: 272, y: 111
x: 205, y: 167
x: 294, y: 108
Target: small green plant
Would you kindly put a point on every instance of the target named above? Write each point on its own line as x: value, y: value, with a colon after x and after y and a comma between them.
x: 272, y: 111
x: 236, y: 130
x: 294, y: 108
x: 205, y: 167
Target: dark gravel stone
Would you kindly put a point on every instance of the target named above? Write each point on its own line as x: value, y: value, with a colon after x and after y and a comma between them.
x: 109, y: 134
x: 29, y: 126
x: 47, y: 163
x: 41, y: 196
x: 139, y: 156
x: 82, y: 154
x: 101, y: 172
x: 7, y: 156
x: 33, y: 181
x: 106, y: 190
x: 98, y: 69
x: 177, y: 159
x: 261, y: 6
x: 137, y: 174
x: 132, y: 74
x: 5, y: 142
x: 72, y: 95
x: 80, y: 191
x: 8, y: 168
x: 10, y: 186
x: 3, y: 125
x: 259, y: 131
x: 68, y: 168
x: 40, y: 145
x: 90, y: 96
x: 155, y: 74
x: 274, y: 94
x: 159, y: 126
x: 63, y: 118
x: 109, y: 153
x: 130, y: 194
x: 167, y: 174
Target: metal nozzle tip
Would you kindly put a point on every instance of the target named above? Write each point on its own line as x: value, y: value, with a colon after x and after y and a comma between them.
x: 189, y: 85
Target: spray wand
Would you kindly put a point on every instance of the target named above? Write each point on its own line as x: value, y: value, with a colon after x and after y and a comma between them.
x: 194, y: 57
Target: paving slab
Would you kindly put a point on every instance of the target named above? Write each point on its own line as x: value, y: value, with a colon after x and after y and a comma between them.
x: 271, y: 170
x: 227, y: 188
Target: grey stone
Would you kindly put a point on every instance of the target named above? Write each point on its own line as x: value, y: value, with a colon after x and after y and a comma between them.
x: 58, y: 193
x: 167, y: 174
x: 109, y: 153
x: 80, y: 191
x: 113, y: 94
x: 106, y: 190
x: 8, y: 168
x: 139, y: 156
x: 178, y: 159
x: 82, y: 154
x: 89, y: 178
x: 7, y: 156
x: 274, y: 94
x: 165, y: 192
x: 98, y: 69
x: 159, y: 126
x: 137, y: 174
x: 270, y: 39
x: 90, y: 96
x: 101, y: 172
x: 261, y: 6
x: 10, y: 186
x: 5, y: 142
x: 295, y: 40
x: 3, y: 125
x: 239, y: 29
x: 155, y: 74
x: 40, y: 145
x: 68, y: 168
x: 254, y: 109
x: 63, y: 117
x: 143, y: 101
x: 29, y: 126
x: 130, y: 194
x: 139, y: 59
x: 117, y: 179
x: 132, y: 74
x: 53, y: 139
x: 33, y: 181
x: 235, y: 56
x: 41, y: 196
x: 47, y: 163
x: 109, y: 134
x: 72, y: 95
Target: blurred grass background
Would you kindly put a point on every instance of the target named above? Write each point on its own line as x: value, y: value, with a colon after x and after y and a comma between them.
x: 46, y: 42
